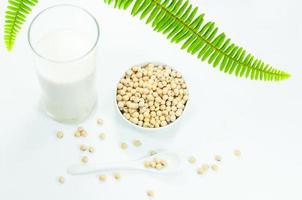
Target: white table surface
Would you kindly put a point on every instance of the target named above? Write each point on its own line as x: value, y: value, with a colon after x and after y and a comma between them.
x: 262, y: 119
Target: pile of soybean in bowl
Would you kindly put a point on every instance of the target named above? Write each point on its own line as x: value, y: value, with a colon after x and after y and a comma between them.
x: 152, y: 96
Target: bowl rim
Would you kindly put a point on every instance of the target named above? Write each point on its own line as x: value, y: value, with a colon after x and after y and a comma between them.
x: 144, y: 128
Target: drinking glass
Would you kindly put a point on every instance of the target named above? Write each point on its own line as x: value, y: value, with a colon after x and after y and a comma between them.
x: 63, y: 39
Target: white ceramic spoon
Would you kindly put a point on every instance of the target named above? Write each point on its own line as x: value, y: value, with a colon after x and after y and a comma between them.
x: 173, y: 160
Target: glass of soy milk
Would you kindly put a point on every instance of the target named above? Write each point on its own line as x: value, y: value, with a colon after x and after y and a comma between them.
x: 64, y: 39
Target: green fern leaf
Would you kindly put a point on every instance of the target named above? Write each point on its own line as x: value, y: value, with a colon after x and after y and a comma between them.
x: 180, y: 22
x: 14, y: 18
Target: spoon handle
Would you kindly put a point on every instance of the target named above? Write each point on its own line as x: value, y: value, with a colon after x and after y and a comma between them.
x: 102, y: 167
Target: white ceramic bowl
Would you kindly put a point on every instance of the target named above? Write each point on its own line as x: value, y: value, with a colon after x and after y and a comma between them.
x: 172, y: 124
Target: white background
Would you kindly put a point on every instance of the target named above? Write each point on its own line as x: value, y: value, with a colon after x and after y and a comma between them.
x: 262, y: 119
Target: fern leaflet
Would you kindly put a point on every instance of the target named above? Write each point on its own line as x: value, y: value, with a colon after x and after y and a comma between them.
x: 180, y: 21
x: 15, y: 16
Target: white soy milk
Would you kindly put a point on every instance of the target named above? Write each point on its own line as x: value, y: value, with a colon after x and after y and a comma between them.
x: 67, y: 75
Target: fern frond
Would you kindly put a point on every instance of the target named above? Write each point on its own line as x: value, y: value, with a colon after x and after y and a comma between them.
x: 180, y: 21
x: 15, y: 16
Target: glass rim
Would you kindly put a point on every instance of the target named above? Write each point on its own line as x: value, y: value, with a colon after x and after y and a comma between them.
x: 64, y: 61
